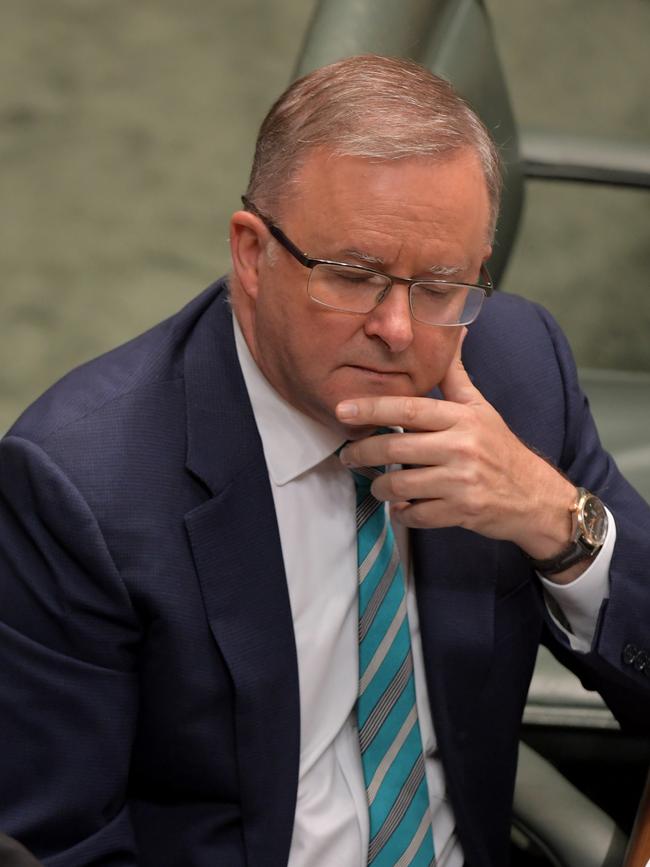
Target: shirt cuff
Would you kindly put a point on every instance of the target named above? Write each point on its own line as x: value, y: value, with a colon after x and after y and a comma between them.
x: 579, y: 602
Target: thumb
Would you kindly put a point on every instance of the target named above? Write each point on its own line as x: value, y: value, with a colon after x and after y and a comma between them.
x: 456, y: 384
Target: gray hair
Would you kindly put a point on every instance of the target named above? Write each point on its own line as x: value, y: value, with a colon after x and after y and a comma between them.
x: 381, y: 108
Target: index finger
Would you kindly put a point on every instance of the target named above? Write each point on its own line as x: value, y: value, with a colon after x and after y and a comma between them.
x: 410, y: 413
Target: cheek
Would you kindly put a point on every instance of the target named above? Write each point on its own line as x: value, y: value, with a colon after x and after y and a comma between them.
x: 326, y: 335
x: 302, y: 341
x: 434, y: 353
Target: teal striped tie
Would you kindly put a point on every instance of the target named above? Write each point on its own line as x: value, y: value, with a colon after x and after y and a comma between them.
x: 389, y: 732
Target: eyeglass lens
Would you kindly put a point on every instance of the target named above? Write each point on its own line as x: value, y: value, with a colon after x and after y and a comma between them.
x: 356, y: 290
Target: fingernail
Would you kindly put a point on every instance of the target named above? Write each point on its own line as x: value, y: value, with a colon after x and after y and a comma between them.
x: 347, y: 409
x: 344, y: 459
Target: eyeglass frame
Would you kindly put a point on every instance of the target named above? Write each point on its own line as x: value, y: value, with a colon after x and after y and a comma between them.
x: 311, y: 262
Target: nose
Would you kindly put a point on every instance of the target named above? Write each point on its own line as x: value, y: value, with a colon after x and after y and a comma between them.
x: 391, y: 320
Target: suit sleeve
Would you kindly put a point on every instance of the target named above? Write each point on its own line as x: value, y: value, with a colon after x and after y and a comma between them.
x: 616, y: 664
x: 68, y: 692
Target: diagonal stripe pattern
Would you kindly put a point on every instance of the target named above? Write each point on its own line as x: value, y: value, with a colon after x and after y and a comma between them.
x: 389, y: 733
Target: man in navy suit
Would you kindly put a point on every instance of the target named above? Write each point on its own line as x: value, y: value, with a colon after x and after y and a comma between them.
x: 178, y: 564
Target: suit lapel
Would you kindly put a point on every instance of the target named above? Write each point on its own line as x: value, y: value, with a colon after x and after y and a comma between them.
x: 236, y: 547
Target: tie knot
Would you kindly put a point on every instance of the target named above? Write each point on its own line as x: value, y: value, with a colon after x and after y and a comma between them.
x: 363, y: 476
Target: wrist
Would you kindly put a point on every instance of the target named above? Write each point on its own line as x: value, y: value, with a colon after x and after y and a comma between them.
x: 549, y: 523
x: 588, y: 532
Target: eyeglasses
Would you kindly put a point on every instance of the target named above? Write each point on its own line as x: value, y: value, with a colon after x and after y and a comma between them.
x: 357, y: 289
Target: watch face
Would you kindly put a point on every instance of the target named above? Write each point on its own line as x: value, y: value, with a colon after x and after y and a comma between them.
x: 594, y: 522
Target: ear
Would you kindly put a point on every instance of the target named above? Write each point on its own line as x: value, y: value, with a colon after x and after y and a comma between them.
x: 486, y: 253
x: 246, y: 247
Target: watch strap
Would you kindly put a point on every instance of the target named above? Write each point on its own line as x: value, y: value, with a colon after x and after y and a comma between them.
x: 579, y: 548
x: 572, y: 554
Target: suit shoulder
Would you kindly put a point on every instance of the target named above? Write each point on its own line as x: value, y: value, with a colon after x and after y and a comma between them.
x: 146, y: 362
x: 504, y: 310
x: 521, y: 362
x: 511, y: 328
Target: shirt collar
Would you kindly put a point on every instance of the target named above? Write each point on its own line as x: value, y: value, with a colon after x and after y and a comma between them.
x: 293, y: 442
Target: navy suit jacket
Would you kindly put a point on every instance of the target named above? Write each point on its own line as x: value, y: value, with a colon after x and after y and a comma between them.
x: 149, y: 686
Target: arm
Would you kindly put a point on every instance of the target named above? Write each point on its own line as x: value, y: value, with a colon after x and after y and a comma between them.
x: 468, y: 468
x: 69, y: 689
x: 619, y: 675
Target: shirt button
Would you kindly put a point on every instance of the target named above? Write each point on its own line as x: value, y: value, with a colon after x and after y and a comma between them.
x: 630, y: 652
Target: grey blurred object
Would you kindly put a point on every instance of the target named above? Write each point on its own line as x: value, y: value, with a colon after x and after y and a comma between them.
x: 582, y: 834
x: 620, y: 401
x: 13, y: 854
x: 554, y: 157
x: 454, y: 38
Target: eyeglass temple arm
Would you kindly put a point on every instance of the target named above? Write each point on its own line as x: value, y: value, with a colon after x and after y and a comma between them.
x: 278, y: 234
x: 485, y: 280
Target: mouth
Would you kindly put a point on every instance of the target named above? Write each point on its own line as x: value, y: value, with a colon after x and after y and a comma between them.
x: 377, y: 371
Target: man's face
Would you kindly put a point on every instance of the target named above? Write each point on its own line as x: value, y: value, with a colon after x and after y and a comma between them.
x: 405, y: 217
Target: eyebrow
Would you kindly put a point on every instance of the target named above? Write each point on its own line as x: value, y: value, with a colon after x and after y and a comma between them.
x: 448, y: 270
x: 436, y: 270
x: 364, y: 257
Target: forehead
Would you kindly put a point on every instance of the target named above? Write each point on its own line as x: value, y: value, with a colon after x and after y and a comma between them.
x: 438, y: 206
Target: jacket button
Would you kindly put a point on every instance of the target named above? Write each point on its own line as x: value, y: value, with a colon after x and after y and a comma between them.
x: 641, y: 661
x: 629, y: 653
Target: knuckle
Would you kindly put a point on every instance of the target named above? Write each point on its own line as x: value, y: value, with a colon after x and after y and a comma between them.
x: 471, y: 476
x: 399, y: 486
x: 470, y: 448
x: 393, y: 450
x: 475, y: 506
x: 413, y: 518
x: 418, y: 517
x: 410, y: 409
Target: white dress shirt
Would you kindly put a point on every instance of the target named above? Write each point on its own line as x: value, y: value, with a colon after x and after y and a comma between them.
x: 314, y: 499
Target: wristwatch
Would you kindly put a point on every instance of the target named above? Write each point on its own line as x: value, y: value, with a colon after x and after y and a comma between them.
x: 589, y: 532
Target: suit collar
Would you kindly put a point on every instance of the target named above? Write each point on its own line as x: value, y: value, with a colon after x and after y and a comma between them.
x: 221, y: 432
x: 293, y: 443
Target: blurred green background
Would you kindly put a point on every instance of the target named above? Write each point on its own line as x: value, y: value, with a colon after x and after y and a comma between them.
x: 126, y: 131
